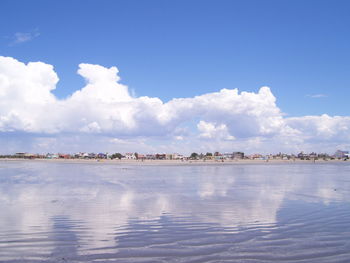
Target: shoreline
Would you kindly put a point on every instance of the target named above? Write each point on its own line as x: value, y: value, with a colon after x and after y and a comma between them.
x: 172, y: 162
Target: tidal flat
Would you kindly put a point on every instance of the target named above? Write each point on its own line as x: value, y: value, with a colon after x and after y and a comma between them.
x: 78, y: 212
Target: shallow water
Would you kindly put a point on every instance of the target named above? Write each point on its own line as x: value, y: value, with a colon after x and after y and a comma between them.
x: 62, y: 212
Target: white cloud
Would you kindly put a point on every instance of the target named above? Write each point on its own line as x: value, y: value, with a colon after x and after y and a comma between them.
x: 317, y: 96
x: 21, y: 37
x: 26, y: 98
x: 209, y: 130
x: 323, y: 128
x: 104, y: 109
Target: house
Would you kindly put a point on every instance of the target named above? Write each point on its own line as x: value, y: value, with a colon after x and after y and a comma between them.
x: 91, y: 155
x: 302, y: 156
x: 160, y: 156
x: 218, y: 156
x: 64, y: 156
x: 169, y: 156
x: 130, y: 156
x: 177, y: 156
x: 313, y: 155
x: 20, y: 155
x: 150, y: 156
x: 102, y: 156
x: 52, y: 156
x: 228, y: 156
x: 141, y: 157
x: 257, y: 156
x: 341, y: 154
x: 238, y: 155
x: 78, y: 155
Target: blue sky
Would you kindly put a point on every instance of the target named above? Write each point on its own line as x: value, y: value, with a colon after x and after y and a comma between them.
x: 170, y: 49
x: 181, y: 49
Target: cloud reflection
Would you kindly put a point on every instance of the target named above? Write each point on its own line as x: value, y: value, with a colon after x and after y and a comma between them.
x: 98, y: 202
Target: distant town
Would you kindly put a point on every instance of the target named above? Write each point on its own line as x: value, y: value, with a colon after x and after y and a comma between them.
x: 216, y: 156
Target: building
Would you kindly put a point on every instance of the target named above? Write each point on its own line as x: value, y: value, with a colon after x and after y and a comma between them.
x: 218, y: 156
x: 303, y: 156
x: 227, y: 156
x: 20, y: 155
x: 150, y: 156
x: 64, y: 156
x: 102, y: 156
x: 257, y: 156
x: 52, y: 156
x: 169, y: 156
x: 177, y: 156
x: 160, y: 156
x: 130, y: 156
x: 238, y: 155
x: 341, y: 154
x: 92, y: 155
x: 141, y: 156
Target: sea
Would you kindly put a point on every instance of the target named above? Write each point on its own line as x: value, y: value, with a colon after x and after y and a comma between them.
x: 104, y: 212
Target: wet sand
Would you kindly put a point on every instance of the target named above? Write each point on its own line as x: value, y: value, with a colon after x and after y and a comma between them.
x: 63, y: 211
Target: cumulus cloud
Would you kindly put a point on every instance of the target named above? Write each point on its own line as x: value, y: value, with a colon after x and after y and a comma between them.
x: 324, y: 127
x: 105, y: 108
x: 209, y: 130
x: 25, y: 95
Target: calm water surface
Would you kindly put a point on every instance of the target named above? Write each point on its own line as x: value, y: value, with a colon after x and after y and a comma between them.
x: 59, y: 212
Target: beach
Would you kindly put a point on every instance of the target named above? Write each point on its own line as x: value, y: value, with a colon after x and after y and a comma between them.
x: 175, y: 162
x: 167, y: 211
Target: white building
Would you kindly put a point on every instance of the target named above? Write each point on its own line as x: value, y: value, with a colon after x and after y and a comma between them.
x: 130, y: 156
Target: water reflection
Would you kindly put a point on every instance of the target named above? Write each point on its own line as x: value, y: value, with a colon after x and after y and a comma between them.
x: 86, y: 212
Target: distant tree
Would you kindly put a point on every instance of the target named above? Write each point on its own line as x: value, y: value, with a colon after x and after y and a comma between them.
x: 136, y: 155
x: 116, y: 156
x: 194, y: 156
x: 208, y: 154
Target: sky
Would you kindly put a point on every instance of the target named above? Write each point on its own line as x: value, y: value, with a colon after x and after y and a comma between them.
x: 174, y: 76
